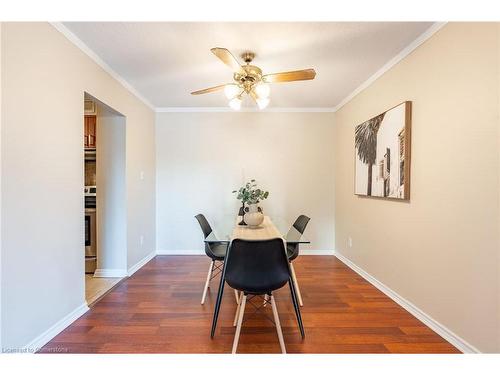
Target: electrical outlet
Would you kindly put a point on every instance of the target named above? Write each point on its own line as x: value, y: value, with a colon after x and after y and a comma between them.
x: 142, y: 240
x: 141, y: 175
x: 350, y: 241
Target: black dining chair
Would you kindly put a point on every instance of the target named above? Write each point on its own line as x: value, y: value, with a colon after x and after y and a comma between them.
x: 293, y: 250
x: 257, y: 268
x: 215, y: 251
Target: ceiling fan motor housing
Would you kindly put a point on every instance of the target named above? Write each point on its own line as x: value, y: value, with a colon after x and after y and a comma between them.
x: 250, y: 76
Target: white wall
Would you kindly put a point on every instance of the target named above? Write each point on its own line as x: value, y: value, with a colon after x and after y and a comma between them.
x: 440, y: 250
x: 44, y: 80
x: 111, y: 194
x: 202, y: 157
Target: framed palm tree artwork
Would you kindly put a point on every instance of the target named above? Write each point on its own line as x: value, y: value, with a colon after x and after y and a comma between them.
x: 383, y: 154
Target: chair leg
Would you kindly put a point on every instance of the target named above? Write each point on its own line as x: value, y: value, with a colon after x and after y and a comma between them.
x: 294, y: 278
x: 240, y: 320
x: 237, y: 310
x: 236, y: 295
x: 265, y: 300
x: 218, y: 303
x: 211, y: 273
x: 210, y: 269
x: 296, y: 307
x: 278, y: 325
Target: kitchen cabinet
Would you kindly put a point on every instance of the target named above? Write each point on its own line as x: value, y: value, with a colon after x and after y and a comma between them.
x: 89, y: 132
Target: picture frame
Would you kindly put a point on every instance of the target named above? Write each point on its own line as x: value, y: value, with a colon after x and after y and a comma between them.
x: 383, y: 154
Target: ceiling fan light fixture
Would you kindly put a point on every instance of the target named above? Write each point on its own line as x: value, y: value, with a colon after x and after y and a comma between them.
x: 235, y: 103
x: 262, y: 102
x: 249, y: 80
x: 231, y: 91
x: 262, y: 90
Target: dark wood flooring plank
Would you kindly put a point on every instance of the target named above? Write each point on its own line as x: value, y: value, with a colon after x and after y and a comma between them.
x: 158, y: 310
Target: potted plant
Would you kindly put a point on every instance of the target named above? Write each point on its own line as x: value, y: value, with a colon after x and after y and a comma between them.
x: 250, y: 194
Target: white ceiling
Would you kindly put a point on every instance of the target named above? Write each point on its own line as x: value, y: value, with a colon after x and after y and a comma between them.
x: 164, y: 62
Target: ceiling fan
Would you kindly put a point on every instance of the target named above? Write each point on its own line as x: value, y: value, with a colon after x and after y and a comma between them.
x: 250, y: 80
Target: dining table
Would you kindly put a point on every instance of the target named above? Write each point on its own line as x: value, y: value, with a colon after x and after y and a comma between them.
x: 227, y: 228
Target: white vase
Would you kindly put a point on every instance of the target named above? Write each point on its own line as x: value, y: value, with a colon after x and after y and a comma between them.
x: 253, y: 217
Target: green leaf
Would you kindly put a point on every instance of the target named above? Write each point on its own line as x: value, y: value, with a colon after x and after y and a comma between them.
x: 249, y: 193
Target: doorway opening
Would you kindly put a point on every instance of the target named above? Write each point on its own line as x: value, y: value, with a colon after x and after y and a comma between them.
x: 105, y: 198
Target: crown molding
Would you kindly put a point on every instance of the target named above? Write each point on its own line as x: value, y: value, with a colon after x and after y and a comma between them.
x: 436, y: 26
x: 85, y: 49
x: 227, y: 109
x: 392, y: 62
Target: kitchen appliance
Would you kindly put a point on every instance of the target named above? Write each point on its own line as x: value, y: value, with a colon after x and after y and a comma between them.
x: 90, y: 229
x: 90, y: 194
x: 90, y: 154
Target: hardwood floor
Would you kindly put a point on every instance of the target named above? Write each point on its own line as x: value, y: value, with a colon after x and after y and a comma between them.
x: 158, y: 310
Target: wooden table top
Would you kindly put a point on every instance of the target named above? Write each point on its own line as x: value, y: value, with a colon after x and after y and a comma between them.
x: 267, y: 230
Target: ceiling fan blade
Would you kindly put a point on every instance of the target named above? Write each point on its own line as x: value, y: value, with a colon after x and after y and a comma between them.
x: 227, y: 58
x: 210, y: 89
x: 295, y: 75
